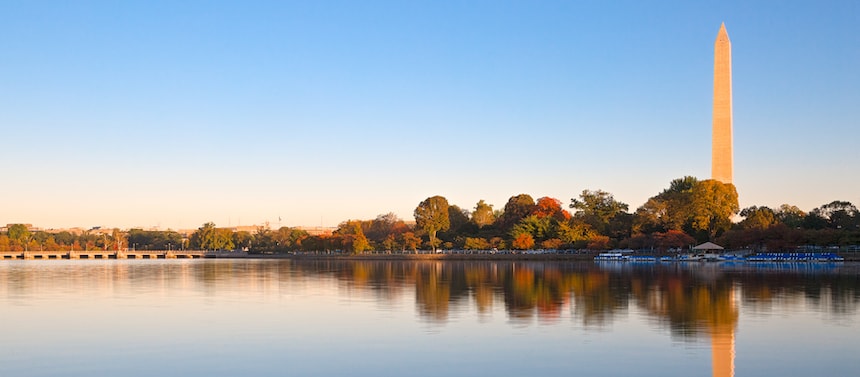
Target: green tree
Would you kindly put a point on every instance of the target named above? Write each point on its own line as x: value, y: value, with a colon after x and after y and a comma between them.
x: 262, y: 240
x: 575, y: 233
x: 20, y: 234
x: 389, y: 243
x: 539, y: 228
x: 671, y: 209
x: 839, y: 215
x: 64, y: 238
x: 458, y: 219
x: 223, y: 239
x: 286, y: 238
x: 431, y: 215
x: 476, y: 243
x: 759, y: 218
x: 597, y: 208
x: 209, y: 237
x: 714, y: 204
x: 483, y: 214
x: 242, y: 239
x: 790, y: 215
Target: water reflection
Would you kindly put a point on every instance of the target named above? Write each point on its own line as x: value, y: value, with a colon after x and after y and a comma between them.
x: 690, y: 300
x: 695, y: 302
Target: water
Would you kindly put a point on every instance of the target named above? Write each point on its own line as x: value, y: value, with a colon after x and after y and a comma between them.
x: 328, y: 318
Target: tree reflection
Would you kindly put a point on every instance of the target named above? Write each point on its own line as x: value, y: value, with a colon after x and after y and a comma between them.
x: 690, y: 300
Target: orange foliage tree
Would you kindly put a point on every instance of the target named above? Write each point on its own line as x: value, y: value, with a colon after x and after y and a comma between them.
x: 550, y: 207
x: 523, y: 241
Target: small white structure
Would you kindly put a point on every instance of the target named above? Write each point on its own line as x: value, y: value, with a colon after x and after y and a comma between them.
x: 708, y: 246
x: 708, y: 251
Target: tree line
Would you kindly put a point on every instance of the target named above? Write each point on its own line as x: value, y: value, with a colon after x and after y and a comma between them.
x: 689, y: 211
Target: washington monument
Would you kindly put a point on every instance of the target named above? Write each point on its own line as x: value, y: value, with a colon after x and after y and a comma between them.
x: 721, y: 147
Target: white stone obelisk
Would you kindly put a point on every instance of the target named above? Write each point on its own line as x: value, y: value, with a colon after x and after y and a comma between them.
x: 721, y: 147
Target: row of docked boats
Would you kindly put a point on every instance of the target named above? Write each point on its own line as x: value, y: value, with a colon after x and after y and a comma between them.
x: 626, y: 256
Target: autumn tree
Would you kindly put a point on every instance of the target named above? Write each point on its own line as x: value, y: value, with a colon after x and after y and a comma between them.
x: 550, y: 207
x: 673, y: 239
x: 551, y: 244
x: 599, y: 242
x: 431, y: 215
x: 352, y: 237
x: 5, y: 243
x: 408, y: 240
x: 516, y: 209
x: 119, y: 238
x: 523, y: 241
x: 385, y: 228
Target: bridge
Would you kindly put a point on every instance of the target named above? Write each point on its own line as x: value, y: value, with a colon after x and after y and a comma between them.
x: 109, y: 254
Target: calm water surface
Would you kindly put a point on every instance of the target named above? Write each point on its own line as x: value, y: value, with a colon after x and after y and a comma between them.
x: 339, y: 318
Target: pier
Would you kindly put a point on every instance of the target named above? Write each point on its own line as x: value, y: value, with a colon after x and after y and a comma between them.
x: 107, y: 254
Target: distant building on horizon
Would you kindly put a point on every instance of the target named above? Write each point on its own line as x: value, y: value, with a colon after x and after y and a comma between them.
x: 721, y: 142
x: 317, y: 230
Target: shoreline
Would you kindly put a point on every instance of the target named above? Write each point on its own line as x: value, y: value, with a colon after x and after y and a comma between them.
x: 431, y: 257
x: 579, y: 257
x: 108, y: 255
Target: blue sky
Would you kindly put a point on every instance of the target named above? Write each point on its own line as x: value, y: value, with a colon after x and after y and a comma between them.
x: 174, y: 113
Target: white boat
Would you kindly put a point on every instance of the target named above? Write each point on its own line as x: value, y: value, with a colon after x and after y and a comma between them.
x: 613, y: 256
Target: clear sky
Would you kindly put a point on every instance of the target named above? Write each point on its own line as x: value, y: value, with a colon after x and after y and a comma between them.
x: 174, y: 113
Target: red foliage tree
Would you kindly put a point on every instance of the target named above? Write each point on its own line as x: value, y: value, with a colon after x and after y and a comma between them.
x: 550, y: 207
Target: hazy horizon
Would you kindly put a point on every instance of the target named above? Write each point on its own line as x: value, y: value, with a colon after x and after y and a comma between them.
x: 173, y: 114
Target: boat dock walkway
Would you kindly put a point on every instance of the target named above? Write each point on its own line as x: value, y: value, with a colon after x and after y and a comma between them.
x: 105, y: 254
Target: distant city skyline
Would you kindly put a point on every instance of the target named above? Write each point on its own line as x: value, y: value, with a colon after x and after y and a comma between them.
x: 172, y: 114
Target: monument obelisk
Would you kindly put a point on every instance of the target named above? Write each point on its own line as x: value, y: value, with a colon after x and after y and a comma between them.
x: 721, y: 147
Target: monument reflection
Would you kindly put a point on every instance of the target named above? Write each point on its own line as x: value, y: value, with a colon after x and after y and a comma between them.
x: 693, y: 301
